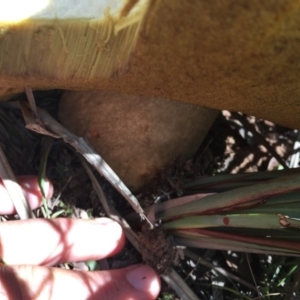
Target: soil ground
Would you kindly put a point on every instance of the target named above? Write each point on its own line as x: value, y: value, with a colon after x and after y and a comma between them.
x: 235, y: 143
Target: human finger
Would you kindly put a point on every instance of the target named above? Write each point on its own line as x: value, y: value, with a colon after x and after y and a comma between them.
x: 138, y: 282
x: 31, y: 191
x: 52, y: 241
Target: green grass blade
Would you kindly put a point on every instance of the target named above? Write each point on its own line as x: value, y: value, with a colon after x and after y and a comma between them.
x: 57, y: 214
x: 225, y: 289
x: 284, y: 199
x: 233, y: 199
x: 42, y: 171
x: 289, y: 209
x: 271, y: 243
x: 206, y: 242
x: 291, y: 234
x: 218, y: 244
x: 221, y: 183
x: 289, y: 273
x: 258, y: 221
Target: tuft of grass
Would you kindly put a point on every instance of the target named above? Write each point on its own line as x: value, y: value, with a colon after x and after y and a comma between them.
x: 46, y: 146
x: 243, y: 213
x: 166, y: 296
x: 262, y: 216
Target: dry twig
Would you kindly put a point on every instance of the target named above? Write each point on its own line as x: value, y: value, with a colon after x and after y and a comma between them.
x: 51, y: 127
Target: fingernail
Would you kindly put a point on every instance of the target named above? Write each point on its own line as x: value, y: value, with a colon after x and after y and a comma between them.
x: 143, y: 278
x: 104, y: 221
